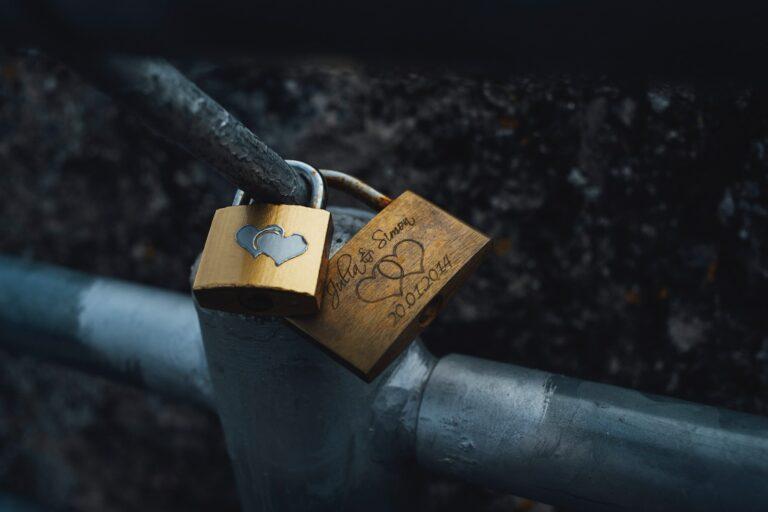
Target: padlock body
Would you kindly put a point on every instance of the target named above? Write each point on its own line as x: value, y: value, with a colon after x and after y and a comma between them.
x: 389, y: 281
x: 278, y: 272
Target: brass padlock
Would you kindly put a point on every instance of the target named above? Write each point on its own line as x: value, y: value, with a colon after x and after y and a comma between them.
x: 390, y: 280
x: 267, y: 259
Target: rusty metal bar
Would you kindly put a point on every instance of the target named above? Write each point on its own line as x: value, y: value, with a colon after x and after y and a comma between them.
x: 178, y: 110
x: 356, y: 188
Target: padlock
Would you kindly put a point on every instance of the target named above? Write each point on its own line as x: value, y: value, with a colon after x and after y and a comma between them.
x: 267, y: 259
x: 388, y: 282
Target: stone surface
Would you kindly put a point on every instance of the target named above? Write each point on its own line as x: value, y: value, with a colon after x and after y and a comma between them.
x: 630, y: 221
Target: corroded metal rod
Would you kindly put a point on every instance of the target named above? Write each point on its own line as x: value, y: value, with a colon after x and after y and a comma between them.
x: 178, y: 110
x: 356, y: 188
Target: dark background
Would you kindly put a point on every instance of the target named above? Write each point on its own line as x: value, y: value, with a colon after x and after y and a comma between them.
x: 630, y: 220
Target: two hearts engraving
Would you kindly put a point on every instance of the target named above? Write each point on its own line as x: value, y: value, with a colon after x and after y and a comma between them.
x: 386, y: 279
x: 271, y: 241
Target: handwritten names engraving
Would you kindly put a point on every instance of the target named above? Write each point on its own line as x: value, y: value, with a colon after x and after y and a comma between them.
x: 345, y: 271
x: 384, y: 237
x: 390, y: 267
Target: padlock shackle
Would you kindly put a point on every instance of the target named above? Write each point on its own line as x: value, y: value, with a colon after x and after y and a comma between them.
x: 320, y: 180
x: 318, y: 196
x: 356, y: 188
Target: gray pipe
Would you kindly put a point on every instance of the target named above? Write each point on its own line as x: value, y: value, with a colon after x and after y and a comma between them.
x: 305, y: 434
x: 132, y: 333
x: 589, y: 446
x: 178, y: 110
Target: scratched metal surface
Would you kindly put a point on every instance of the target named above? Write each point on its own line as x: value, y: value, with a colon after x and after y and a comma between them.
x: 178, y: 110
x: 341, y: 443
x: 588, y: 446
x: 631, y: 219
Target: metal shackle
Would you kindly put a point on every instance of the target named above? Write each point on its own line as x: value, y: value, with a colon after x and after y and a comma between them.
x: 356, y: 188
x: 318, y: 196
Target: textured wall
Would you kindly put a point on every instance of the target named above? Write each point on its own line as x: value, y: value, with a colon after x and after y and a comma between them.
x: 630, y: 220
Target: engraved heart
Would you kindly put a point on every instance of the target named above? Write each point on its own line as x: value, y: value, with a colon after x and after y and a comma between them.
x: 280, y: 248
x: 246, y: 236
x: 378, y: 287
x: 386, y: 279
x: 271, y: 241
x: 408, y: 256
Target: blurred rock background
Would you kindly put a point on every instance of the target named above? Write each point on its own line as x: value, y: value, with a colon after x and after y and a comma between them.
x: 630, y: 220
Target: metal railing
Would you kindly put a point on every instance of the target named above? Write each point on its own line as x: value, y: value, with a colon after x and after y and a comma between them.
x: 305, y: 434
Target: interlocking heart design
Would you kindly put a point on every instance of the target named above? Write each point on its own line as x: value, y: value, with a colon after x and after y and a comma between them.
x: 272, y: 242
x: 386, y: 279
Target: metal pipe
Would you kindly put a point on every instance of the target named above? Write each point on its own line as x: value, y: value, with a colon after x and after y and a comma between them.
x: 132, y: 333
x: 688, y: 38
x: 303, y: 432
x: 588, y: 446
x: 178, y: 110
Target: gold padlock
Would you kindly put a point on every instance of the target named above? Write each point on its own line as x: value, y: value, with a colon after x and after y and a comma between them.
x: 267, y: 259
x: 388, y: 282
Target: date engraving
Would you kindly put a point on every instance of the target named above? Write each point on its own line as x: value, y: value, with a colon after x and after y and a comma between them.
x: 419, y: 289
